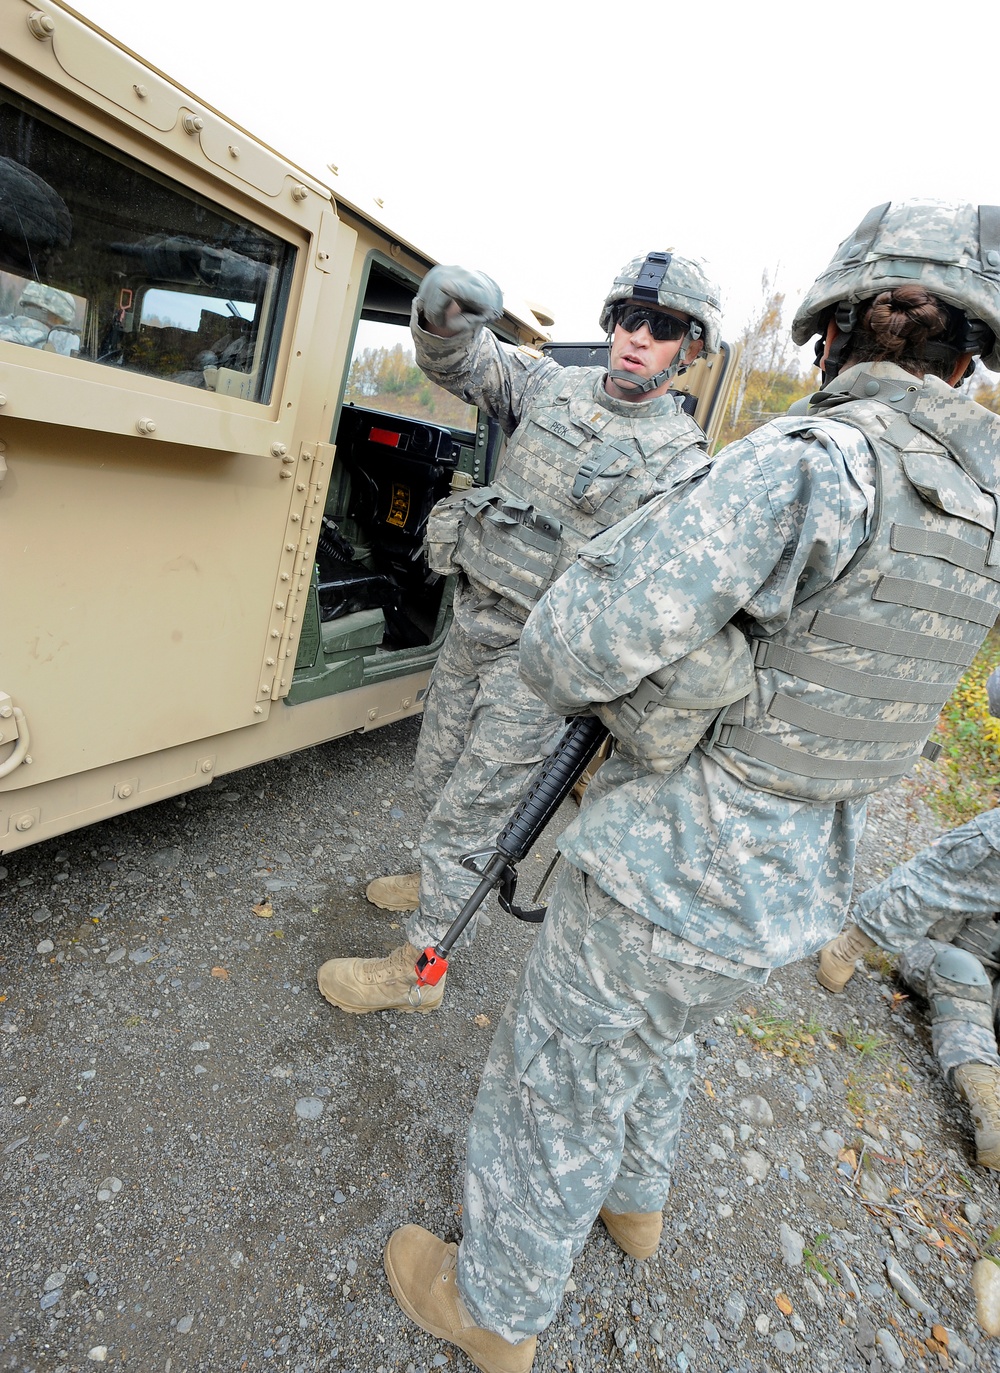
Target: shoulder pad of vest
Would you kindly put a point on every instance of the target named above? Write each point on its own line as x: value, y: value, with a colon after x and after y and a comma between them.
x: 966, y: 428
x: 532, y: 353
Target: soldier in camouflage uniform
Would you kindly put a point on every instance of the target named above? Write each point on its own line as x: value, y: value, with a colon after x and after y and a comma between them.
x: 939, y: 912
x: 853, y: 546
x: 44, y: 319
x: 586, y: 447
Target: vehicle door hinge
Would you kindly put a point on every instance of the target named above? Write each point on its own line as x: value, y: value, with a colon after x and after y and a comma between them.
x: 295, y: 568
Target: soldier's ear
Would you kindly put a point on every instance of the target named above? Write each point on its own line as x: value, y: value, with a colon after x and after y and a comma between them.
x: 961, y: 369
x: 693, y: 350
x: 831, y: 333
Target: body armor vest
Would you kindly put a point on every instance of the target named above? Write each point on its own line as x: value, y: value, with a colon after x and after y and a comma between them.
x: 576, y: 464
x: 847, y: 693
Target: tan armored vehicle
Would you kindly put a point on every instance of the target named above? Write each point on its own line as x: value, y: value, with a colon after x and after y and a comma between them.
x: 216, y: 453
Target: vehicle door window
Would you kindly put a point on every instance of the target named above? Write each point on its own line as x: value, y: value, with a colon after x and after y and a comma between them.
x: 104, y: 259
x: 384, y: 376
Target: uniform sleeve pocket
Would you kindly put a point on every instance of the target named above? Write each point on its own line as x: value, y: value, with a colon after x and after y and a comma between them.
x: 444, y: 525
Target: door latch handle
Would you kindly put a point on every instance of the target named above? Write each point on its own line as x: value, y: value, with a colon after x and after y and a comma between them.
x: 21, y: 747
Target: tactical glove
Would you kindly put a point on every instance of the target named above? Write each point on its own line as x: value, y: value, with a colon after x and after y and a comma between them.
x: 478, y: 296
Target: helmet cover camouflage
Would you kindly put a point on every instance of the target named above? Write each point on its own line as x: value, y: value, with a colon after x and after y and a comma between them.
x: 950, y: 248
x: 685, y: 286
x: 49, y: 298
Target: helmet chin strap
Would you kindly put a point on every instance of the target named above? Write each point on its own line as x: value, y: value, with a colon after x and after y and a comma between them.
x: 644, y: 384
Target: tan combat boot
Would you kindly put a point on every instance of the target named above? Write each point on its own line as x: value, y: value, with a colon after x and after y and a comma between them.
x: 837, y: 960
x: 398, y: 893
x: 422, y: 1273
x: 979, y: 1085
x: 378, y: 984
x: 637, y: 1233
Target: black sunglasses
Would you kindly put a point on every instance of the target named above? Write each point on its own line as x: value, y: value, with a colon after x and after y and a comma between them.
x: 664, y: 328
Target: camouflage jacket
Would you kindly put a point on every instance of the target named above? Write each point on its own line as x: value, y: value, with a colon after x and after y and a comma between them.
x: 577, y: 460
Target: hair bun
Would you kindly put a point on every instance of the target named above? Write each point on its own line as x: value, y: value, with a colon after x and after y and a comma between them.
x: 903, y: 318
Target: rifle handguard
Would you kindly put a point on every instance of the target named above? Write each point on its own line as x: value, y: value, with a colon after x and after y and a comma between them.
x: 554, y: 781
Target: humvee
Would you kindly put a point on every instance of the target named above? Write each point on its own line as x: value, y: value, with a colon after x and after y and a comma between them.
x: 216, y: 454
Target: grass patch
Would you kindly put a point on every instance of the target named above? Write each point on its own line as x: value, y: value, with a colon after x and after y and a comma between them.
x: 865, y: 1043
x: 879, y: 960
x: 773, y: 1031
x: 856, y: 1098
x: 877, y: 1073
x: 813, y: 1262
x: 967, y: 775
x: 991, y: 1246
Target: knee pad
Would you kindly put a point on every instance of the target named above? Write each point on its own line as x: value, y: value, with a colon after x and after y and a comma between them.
x: 958, y: 988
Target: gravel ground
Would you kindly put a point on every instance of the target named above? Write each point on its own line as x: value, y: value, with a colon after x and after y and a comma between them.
x: 200, y: 1161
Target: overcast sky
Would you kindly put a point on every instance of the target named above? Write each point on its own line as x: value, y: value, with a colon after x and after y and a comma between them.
x: 546, y: 142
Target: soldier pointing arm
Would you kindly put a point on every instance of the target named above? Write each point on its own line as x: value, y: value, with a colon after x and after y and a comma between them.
x: 586, y: 447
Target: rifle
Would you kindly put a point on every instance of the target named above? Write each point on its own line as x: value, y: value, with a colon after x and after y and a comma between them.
x: 496, y: 867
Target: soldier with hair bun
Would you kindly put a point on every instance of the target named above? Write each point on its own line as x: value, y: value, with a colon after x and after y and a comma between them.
x: 854, y: 548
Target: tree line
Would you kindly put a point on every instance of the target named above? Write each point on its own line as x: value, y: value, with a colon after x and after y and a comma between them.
x: 389, y: 379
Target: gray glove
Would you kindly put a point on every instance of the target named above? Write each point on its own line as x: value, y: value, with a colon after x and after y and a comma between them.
x: 478, y: 296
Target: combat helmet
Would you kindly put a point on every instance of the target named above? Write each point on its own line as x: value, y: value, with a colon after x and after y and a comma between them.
x: 952, y: 249
x: 679, y: 283
x: 49, y: 299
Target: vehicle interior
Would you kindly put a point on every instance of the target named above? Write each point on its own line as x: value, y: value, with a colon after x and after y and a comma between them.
x: 402, y: 443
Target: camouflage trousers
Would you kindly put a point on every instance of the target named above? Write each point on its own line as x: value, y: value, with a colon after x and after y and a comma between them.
x: 954, y: 1041
x: 938, y: 890
x: 580, y: 1101
x: 930, y: 901
x: 482, y: 736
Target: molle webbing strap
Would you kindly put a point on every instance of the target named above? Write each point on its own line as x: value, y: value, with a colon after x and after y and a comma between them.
x: 650, y: 278
x: 523, y: 571
x: 958, y: 552
x: 811, y: 668
x: 989, y: 236
x: 599, y: 461
x: 904, y: 643
x: 826, y: 722
x: 793, y: 760
x: 864, y: 234
x: 920, y: 596
x: 478, y: 499
x: 534, y: 529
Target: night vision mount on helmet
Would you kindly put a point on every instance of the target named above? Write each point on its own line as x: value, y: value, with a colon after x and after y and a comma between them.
x: 952, y: 249
x: 674, y: 282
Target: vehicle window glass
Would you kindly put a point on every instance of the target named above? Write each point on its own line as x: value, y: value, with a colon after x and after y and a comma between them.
x: 104, y: 259
x: 384, y: 376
